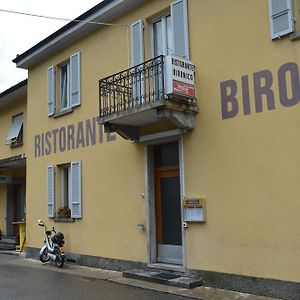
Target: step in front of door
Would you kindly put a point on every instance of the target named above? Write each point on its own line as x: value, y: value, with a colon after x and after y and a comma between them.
x: 168, y: 278
x: 8, y: 243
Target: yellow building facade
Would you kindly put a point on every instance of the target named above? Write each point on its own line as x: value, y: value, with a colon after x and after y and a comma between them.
x: 192, y: 162
x: 13, y: 114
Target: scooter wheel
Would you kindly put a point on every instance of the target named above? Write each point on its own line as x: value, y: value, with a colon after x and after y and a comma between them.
x: 44, y: 256
x: 60, y: 259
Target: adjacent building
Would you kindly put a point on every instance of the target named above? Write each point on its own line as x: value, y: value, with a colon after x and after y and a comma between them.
x: 164, y: 134
x: 13, y: 116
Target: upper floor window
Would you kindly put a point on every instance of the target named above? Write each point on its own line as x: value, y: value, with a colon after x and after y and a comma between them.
x: 15, y: 134
x: 281, y: 18
x: 162, y: 36
x: 68, y: 80
x: 170, y: 34
x: 65, y: 86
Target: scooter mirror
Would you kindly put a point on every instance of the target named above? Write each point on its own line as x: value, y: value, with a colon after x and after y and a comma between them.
x: 41, y: 223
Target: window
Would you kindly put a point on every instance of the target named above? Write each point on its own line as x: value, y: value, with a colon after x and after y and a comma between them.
x: 281, y: 18
x: 68, y: 80
x: 64, y: 86
x: 170, y: 32
x: 65, y: 172
x: 162, y: 36
x: 15, y: 134
x: 169, y: 36
x: 64, y: 192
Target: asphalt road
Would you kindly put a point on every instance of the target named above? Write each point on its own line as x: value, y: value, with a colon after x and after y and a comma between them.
x: 19, y: 281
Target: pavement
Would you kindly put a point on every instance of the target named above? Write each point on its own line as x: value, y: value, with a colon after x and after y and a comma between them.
x: 203, y: 292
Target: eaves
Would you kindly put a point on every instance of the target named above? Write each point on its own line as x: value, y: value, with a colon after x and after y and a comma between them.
x: 14, y: 93
x: 104, y: 12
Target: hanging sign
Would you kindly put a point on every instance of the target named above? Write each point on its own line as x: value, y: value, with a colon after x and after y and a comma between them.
x: 179, y: 77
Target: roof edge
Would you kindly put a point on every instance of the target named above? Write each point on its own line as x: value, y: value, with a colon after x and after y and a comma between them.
x: 14, y: 88
x: 60, y: 31
x: 103, y: 12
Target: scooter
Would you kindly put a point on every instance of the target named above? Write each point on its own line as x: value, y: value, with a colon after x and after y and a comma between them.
x: 53, y: 249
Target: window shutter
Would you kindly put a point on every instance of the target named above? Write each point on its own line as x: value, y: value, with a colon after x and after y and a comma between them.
x: 51, y: 190
x: 51, y: 91
x: 76, y: 189
x: 281, y: 19
x: 137, y: 43
x: 75, y: 79
x: 179, y: 16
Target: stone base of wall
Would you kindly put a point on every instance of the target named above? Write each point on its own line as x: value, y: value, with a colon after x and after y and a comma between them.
x: 252, y: 285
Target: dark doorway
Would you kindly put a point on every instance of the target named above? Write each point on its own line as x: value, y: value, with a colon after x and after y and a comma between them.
x: 167, y: 203
x: 15, y: 207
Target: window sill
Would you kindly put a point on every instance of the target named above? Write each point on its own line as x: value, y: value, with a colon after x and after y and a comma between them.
x: 65, y: 220
x: 16, y: 145
x: 295, y: 36
x: 63, y: 112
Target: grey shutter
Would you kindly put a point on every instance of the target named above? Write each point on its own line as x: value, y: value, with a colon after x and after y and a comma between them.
x: 137, y: 43
x: 51, y: 190
x: 51, y: 91
x: 179, y: 16
x: 76, y: 189
x: 281, y: 18
x: 75, y: 79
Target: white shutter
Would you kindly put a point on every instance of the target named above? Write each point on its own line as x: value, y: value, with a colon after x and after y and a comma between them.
x: 137, y: 57
x: 76, y: 189
x: 75, y: 79
x: 281, y: 18
x: 51, y: 190
x: 179, y: 16
x: 51, y: 91
x: 137, y: 43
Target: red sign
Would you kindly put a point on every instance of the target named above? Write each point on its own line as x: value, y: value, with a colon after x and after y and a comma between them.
x: 184, y: 88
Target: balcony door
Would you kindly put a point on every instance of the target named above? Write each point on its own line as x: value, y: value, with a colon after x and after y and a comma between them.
x: 162, y: 36
x: 162, y: 45
x: 168, y: 204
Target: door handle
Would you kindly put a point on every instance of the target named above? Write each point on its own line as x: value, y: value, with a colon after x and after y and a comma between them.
x: 185, y: 225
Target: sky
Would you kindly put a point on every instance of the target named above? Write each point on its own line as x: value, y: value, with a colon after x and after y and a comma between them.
x: 18, y: 33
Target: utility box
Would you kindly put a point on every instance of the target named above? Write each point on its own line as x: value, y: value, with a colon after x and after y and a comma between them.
x: 194, y: 210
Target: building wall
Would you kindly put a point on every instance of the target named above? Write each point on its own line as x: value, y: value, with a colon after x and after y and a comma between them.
x: 6, y: 114
x: 246, y: 166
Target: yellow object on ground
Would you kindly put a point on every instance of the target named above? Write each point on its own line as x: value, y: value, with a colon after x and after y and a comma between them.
x: 22, y: 232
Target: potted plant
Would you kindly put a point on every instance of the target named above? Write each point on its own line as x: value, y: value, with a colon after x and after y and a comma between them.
x: 64, y: 212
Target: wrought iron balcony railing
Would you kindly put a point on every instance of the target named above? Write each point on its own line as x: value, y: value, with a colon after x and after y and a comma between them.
x: 133, y: 88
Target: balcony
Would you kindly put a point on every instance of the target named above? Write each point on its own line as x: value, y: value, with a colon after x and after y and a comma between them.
x: 148, y: 94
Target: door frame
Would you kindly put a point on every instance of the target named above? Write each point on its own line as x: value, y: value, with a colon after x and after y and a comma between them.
x: 150, y: 199
x: 9, y: 199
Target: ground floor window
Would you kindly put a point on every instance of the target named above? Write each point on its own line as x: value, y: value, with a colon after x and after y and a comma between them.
x: 64, y: 190
x: 64, y: 210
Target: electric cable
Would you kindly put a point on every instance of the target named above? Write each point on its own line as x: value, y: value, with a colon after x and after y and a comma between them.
x: 60, y: 19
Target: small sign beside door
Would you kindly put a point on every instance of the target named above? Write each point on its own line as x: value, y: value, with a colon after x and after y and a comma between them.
x: 194, y: 210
